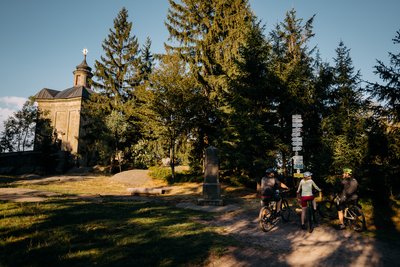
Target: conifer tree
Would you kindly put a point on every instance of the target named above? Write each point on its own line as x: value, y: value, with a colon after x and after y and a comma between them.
x: 384, y: 135
x: 344, y: 126
x: 389, y: 94
x: 146, y: 60
x: 208, y: 35
x: 251, y: 123
x: 292, y: 64
x: 118, y: 74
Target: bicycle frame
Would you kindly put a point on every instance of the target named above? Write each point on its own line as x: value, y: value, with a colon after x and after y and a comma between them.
x: 354, y: 217
x: 268, y: 215
x: 310, y: 216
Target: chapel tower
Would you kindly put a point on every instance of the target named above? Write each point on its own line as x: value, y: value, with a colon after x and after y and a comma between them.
x: 64, y: 108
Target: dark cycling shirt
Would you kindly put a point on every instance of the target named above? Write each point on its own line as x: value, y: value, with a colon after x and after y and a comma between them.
x: 269, y: 187
x: 350, y: 187
x: 270, y: 182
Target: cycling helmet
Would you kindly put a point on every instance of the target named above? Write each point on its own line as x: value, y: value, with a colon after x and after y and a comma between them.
x: 307, y: 174
x: 347, y: 170
x: 270, y: 170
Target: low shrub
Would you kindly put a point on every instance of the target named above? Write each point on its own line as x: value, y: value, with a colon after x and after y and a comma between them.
x: 181, y: 174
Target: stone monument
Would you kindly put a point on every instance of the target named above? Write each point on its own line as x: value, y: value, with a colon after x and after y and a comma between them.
x: 211, y: 185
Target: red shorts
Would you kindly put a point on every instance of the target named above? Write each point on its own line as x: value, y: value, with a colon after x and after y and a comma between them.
x: 305, y: 199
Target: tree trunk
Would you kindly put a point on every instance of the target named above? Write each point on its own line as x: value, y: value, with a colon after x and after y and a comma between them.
x: 172, y: 157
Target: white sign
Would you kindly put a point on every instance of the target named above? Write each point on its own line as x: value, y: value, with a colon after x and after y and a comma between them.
x: 298, y: 159
x: 297, y: 140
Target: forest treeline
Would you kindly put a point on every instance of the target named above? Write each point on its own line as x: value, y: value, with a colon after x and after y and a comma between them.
x: 224, y: 81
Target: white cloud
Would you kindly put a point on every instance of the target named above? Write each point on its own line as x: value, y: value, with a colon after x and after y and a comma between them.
x: 13, y: 102
x: 8, y: 105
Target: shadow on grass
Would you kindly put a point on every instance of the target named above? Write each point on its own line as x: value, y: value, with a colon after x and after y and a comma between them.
x: 111, y: 233
x: 117, y: 231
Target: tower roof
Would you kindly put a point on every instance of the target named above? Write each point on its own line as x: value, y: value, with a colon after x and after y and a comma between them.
x: 84, y: 65
x: 76, y: 91
x: 80, y: 88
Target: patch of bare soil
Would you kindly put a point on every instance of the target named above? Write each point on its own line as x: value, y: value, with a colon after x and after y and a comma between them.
x: 288, y: 245
x: 24, y: 195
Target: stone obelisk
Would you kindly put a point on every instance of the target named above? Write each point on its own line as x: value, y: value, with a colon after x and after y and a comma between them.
x: 211, y: 185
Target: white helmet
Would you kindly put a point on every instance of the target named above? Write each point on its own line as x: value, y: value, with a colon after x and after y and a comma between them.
x: 307, y: 174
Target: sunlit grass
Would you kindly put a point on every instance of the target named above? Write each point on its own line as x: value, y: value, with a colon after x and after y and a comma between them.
x: 76, y: 232
x: 101, y: 185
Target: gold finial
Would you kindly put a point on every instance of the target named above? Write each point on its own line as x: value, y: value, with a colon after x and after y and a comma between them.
x: 85, y: 51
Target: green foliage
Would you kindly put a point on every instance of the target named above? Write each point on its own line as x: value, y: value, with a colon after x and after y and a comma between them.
x: 389, y: 93
x: 114, y: 114
x: 208, y: 36
x: 19, y: 129
x: 165, y: 174
x: 176, y: 103
x: 246, y: 139
x: 145, y: 153
x: 161, y: 173
x: 292, y: 65
x: 344, y: 124
x: 222, y: 82
x: 384, y: 130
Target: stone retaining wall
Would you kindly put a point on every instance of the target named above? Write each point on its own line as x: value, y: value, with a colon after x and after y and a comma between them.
x: 33, y: 162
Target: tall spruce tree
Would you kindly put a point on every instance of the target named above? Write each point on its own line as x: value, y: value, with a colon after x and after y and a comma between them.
x: 250, y: 125
x: 384, y: 144
x: 207, y: 35
x: 292, y: 64
x: 389, y: 93
x: 343, y: 128
x: 117, y: 75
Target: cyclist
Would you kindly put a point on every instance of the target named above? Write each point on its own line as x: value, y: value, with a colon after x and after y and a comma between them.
x: 270, y: 189
x: 348, y: 195
x: 306, y: 185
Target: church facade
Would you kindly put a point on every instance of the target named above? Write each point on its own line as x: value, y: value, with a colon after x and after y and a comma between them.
x: 64, y: 107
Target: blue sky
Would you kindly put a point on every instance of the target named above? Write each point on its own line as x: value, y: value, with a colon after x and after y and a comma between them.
x: 42, y: 40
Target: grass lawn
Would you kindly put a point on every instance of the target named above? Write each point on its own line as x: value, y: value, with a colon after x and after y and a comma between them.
x: 113, y: 232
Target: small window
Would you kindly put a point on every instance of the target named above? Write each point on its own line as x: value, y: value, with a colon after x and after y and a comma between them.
x: 77, y: 79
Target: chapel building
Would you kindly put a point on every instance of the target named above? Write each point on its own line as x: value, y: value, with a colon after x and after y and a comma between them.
x: 63, y: 108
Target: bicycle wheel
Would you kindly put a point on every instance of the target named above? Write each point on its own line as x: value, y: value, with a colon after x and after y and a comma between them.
x: 265, y: 219
x: 325, y: 209
x: 310, y: 217
x: 357, y: 222
x: 286, y: 211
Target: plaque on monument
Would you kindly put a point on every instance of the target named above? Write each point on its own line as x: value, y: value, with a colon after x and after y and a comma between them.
x: 211, y: 186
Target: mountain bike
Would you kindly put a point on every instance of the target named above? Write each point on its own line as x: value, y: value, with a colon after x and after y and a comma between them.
x: 310, y: 219
x: 354, y: 217
x: 268, y: 216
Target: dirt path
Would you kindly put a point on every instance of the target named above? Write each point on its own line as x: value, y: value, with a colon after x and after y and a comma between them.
x: 286, y: 245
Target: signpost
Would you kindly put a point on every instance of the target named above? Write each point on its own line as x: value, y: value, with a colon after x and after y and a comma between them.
x: 297, y: 144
